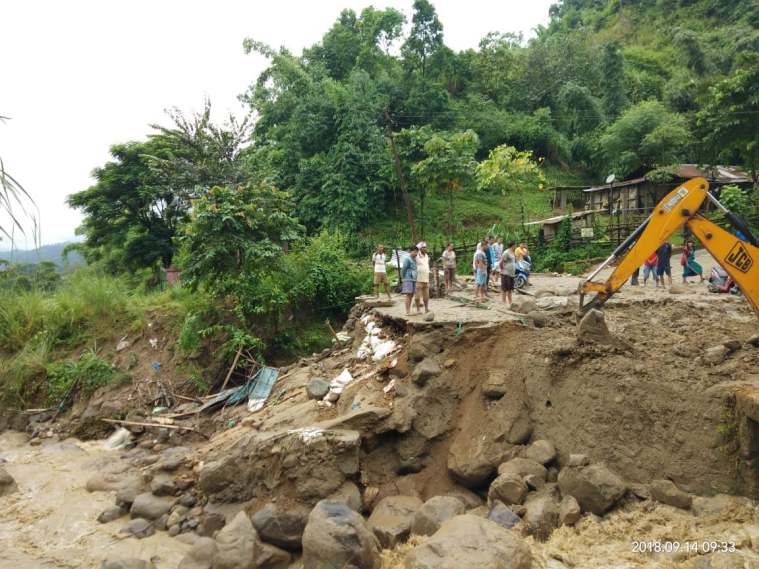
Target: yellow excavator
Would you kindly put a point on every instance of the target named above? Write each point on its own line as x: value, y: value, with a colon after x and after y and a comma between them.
x: 739, y: 256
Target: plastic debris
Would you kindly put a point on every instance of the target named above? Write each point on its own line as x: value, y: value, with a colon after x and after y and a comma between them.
x: 119, y: 439
x: 308, y: 434
x: 337, y: 385
x: 122, y: 345
x: 153, y: 343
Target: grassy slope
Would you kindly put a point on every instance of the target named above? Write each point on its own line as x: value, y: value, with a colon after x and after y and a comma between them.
x: 475, y: 214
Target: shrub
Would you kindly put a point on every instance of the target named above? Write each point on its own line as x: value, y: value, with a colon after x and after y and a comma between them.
x: 85, y: 375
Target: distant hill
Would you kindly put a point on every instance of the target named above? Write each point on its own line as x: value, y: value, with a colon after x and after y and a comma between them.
x: 53, y: 253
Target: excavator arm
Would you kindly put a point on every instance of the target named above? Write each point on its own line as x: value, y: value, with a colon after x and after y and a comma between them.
x: 740, y: 259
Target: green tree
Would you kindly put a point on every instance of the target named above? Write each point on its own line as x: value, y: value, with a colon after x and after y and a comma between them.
x: 425, y: 39
x: 729, y: 121
x: 613, y: 80
x: 235, y: 234
x: 132, y: 213
x: 509, y: 171
x: 646, y: 136
x: 449, y: 165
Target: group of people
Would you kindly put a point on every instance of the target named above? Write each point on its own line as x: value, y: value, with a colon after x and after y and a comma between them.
x: 492, y: 261
x: 415, y: 276
x: 658, y: 265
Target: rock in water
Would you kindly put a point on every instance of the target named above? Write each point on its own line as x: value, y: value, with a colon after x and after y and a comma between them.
x: 200, y: 556
x: 666, y: 492
x: 391, y: 519
x: 336, y: 536
x: 595, y: 487
x: 236, y: 544
x: 116, y: 562
x: 150, y: 507
x: 470, y: 541
x: 7, y: 483
x: 139, y: 528
x: 317, y: 388
x: 435, y: 512
x: 111, y: 514
x: 281, y: 527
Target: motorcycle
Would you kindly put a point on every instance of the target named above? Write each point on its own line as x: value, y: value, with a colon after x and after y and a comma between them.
x: 522, y: 273
x: 721, y: 282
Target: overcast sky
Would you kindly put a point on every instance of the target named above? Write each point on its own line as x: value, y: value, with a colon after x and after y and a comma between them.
x: 80, y: 75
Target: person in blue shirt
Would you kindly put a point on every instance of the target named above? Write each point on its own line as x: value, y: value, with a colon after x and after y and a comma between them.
x: 663, y: 265
x: 408, y: 278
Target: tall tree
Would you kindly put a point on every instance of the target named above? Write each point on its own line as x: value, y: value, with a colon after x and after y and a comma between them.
x: 613, y: 80
x: 425, y: 39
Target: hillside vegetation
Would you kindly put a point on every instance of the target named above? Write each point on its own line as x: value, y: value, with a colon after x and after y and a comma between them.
x: 381, y: 132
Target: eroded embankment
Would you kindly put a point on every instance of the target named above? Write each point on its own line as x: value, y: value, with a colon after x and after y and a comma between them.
x: 521, y: 424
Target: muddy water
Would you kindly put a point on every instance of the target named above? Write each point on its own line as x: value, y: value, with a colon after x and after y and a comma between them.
x: 51, y: 521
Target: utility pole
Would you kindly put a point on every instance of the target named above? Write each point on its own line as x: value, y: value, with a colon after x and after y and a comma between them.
x: 401, y: 180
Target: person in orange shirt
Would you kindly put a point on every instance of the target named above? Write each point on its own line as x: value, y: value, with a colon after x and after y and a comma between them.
x: 649, y: 267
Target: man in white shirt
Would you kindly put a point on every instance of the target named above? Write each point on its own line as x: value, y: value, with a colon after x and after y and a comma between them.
x: 422, y: 278
x: 380, y: 271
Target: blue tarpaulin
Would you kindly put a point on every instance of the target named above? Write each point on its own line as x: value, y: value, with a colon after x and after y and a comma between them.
x: 256, y: 390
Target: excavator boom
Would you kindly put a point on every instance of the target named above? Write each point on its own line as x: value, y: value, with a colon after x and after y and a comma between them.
x: 739, y: 258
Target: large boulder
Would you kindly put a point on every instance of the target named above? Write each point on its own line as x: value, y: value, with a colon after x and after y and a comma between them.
x: 236, y: 544
x: 7, y: 483
x: 596, y: 488
x: 541, y: 451
x: 280, y: 526
x: 391, y: 519
x: 666, y: 492
x: 508, y: 488
x: 470, y: 541
x: 523, y: 304
x: 542, y: 516
x: 200, y: 555
x: 150, y: 507
x: 309, y: 463
x: 435, y: 512
x: 336, y: 536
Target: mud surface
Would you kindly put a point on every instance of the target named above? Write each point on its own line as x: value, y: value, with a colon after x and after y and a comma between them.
x: 51, y: 520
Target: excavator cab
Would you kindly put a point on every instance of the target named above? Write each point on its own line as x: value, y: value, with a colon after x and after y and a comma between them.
x: 737, y: 253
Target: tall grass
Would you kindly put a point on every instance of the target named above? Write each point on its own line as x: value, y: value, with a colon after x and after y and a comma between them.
x: 87, y: 304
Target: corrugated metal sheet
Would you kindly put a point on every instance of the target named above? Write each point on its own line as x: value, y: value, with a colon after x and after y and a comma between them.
x: 616, y: 185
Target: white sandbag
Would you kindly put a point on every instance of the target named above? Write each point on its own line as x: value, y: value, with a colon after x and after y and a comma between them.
x: 383, y: 349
